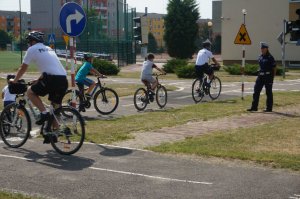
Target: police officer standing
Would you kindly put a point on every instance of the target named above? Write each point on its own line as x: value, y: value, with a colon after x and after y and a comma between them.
x: 266, y: 74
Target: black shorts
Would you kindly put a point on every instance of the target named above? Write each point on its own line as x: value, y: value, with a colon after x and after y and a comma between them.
x: 54, y: 85
x: 205, y: 68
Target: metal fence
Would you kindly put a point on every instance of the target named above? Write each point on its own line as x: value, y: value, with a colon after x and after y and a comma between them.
x: 108, y: 29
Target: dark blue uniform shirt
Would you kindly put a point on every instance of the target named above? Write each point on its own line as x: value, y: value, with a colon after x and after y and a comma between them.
x: 266, y: 63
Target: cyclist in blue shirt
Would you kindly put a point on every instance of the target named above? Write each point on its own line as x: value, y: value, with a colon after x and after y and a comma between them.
x: 82, y: 80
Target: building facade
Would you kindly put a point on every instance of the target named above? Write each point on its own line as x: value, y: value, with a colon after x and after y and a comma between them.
x: 156, y: 25
x: 264, y: 22
x: 10, y: 22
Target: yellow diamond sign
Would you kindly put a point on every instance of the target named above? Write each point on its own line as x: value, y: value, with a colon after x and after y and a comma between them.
x: 242, y: 37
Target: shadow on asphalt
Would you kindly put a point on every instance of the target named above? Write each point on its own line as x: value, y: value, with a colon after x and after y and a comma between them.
x: 114, y: 152
x: 55, y: 160
x: 101, y: 117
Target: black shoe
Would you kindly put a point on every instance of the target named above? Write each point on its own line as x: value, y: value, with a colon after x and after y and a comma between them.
x: 252, y: 109
x: 81, y: 108
x: 48, y: 137
x: 267, y: 110
x: 43, y: 118
x: 207, y: 85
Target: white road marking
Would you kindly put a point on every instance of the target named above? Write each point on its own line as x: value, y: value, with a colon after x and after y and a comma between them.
x: 126, y: 105
x: 183, y: 97
x: 149, y: 176
x: 15, y: 157
x: 180, y: 89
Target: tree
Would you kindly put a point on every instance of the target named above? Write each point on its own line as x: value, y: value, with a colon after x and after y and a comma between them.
x: 181, y: 28
x: 4, y: 39
x: 152, y: 44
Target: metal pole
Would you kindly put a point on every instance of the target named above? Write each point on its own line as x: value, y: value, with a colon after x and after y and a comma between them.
x: 243, y: 62
x: 118, y: 34
x: 87, y: 24
x: 72, y: 71
x: 283, y: 49
x: 21, y: 46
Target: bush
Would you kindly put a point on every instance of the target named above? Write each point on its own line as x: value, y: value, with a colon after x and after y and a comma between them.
x: 172, y: 64
x: 250, y: 69
x: 187, y: 71
x: 106, y: 67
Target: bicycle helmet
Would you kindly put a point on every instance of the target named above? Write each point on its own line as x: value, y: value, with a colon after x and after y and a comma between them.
x: 35, y: 36
x: 206, y: 43
x: 87, y: 55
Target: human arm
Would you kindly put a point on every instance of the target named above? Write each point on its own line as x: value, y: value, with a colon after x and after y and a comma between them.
x: 216, y: 62
x: 159, y: 69
x: 95, y: 72
x: 20, y: 72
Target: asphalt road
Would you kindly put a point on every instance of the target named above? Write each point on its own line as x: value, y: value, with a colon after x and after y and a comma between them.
x: 99, y: 171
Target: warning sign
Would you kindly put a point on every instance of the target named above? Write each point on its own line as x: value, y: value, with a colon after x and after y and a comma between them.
x: 242, y: 37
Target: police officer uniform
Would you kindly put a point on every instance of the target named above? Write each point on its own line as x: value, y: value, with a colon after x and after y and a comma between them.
x: 265, y: 78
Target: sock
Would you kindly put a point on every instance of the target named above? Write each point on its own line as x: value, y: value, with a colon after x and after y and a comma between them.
x: 208, y: 80
x: 44, y: 112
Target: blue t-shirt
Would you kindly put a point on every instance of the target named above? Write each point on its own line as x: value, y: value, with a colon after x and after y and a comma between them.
x: 83, y: 71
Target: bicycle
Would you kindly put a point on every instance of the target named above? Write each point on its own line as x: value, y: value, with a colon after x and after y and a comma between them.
x: 106, y: 100
x: 65, y: 127
x: 143, y: 97
x: 200, y: 87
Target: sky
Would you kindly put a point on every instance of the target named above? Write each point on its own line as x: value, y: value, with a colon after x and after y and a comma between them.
x: 157, y: 6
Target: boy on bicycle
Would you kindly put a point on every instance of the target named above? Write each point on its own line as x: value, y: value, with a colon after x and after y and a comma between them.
x: 203, y: 57
x: 82, y: 80
x: 146, y: 74
x: 7, y: 97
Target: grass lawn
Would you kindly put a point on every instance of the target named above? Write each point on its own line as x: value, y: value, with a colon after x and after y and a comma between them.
x: 108, y: 131
x: 7, y: 195
x: 275, y: 144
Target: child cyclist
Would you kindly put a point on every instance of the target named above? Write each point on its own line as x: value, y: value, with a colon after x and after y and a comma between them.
x: 7, y: 97
x: 82, y: 80
x: 146, y: 74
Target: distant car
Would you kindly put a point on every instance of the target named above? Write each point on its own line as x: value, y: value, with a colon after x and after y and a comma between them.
x: 103, y: 56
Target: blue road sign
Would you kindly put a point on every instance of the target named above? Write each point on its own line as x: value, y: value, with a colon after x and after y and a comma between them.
x: 72, y: 19
x: 51, y: 38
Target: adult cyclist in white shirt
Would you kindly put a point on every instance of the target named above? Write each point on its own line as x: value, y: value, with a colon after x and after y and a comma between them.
x: 203, y: 58
x: 53, y: 79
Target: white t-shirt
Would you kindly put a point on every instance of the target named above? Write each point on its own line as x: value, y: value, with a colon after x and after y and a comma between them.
x: 7, y: 95
x: 203, y: 56
x: 45, y: 59
x: 147, y: 68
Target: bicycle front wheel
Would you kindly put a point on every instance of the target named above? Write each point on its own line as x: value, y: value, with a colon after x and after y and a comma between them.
x: 67, y: 132
x: 215, y: 88
x: 140, y: 99
x: 106, y: 101
x: 15, y: 125
x: 197, y: 90
x: 161, y: 96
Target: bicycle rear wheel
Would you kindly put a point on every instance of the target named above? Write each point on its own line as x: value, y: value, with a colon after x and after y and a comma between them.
x: 67, y: 99
x: 215, y: 88
x: 140, y: 99
x: 161, y: 96
x: 197, y: 90
x: 68, y: 133
x: 106, y: 101
x: 15, y: 125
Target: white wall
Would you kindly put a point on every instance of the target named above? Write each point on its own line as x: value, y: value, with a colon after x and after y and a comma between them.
x: 264, y: 22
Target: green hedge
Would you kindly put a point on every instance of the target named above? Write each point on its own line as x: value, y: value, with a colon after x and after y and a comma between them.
x: 187, y: 71
x: 250, y: 69
x: 106, y: 67
x: 173, y: 64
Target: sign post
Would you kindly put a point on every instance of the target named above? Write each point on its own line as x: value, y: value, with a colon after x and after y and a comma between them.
x: 243, y: 38
x: 66, y: 39
x: 72, y: 20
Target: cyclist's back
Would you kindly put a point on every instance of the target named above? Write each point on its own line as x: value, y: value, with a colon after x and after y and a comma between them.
x: 203, y: 57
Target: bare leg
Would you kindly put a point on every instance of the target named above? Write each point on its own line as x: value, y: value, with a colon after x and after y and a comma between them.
x: 91, y: 88
x: 154, y: 85
x: 36, y: 100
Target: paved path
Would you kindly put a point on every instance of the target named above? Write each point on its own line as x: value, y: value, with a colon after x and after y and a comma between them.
x: 177, y: 133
